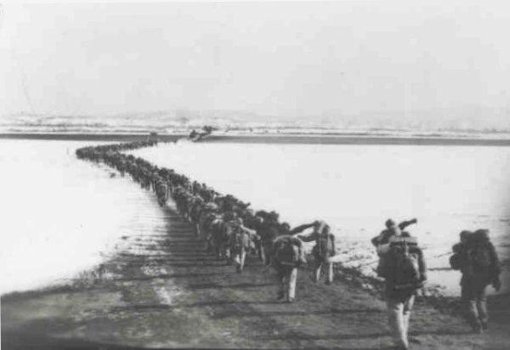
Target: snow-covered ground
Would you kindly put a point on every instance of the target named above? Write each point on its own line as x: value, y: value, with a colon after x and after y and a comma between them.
x: 356, y: 188
x: 61, y: 215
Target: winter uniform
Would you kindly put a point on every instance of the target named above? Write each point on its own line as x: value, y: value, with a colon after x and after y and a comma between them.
x: 240, y: 241
x: 323, y: 250
x: 288, y: 256
x: 404, y: 271
x: 478, y: 262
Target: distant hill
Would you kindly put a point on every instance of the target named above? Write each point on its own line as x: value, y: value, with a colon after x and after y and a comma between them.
x: 467, y: 121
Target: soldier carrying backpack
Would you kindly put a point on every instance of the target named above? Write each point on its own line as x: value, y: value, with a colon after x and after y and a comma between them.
x: 477, y: 260
x: 287, y: 256
x: 404, y: 271
x: 268, y: 231
x: 323, y: 250
x: 240, y: 241
x: 382, y: 241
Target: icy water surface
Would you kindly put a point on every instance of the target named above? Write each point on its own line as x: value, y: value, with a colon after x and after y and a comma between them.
x: 61, y: 215
x: 357, y: 187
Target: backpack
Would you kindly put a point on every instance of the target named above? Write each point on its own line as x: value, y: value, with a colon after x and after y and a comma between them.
x: 238, y: 239
x: 456, y: 261
x: 479, y: 257
x: 324, y: 247
x: 195, y: 212
x: 405, y: 261
x: 208, y: 220
x: 478, y: 252
x: 219, y: 231
x: 287, y: 253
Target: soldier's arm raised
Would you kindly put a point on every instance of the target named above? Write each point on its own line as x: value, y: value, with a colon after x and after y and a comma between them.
x: 307, y: 238
x: 301, y: 228
x: 404, y: 224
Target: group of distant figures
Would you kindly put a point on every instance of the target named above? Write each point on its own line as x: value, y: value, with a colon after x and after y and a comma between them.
x: 196, y: 136
x: 231, y: 230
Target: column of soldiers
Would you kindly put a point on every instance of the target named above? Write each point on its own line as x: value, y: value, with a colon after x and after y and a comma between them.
x: 231, y: 231
x: 229, y: 227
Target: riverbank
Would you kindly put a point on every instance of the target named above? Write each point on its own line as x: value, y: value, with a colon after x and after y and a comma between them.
x: 340, y: 139
x: 162, y: 290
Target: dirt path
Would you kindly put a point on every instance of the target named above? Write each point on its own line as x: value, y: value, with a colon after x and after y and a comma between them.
x: 162, y: 290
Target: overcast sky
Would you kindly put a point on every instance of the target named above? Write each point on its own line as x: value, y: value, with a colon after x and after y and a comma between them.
x: 269, y: 58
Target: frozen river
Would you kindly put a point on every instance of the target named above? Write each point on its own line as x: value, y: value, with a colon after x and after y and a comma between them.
x: 61, y: 215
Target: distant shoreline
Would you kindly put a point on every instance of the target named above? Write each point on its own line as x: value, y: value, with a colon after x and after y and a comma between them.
x: 85, y: 137
x: 357, y: 140
x: 270, y: 139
